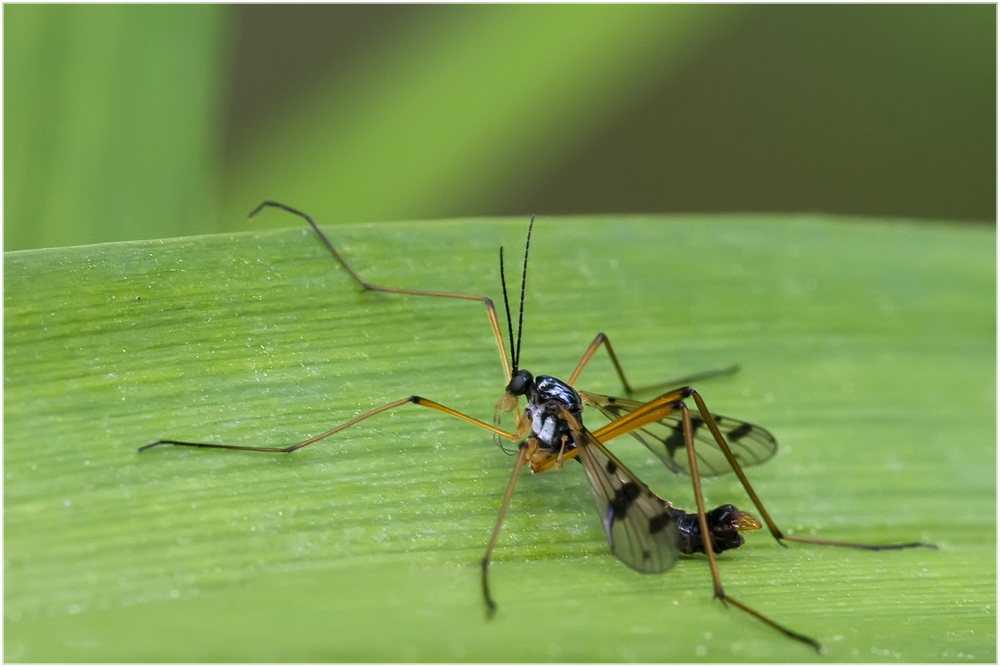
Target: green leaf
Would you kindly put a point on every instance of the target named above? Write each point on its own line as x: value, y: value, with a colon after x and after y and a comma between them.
x: 867, y: 347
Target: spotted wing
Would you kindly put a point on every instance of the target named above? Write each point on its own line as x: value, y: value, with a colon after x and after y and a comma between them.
x: 639, y: 527
x: 751, y: 445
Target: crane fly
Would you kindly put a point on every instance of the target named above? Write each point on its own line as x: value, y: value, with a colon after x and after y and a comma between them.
x: 644, y: 531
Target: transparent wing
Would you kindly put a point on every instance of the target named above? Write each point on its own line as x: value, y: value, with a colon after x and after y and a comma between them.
x: 751, y: 445
x: 639, y: 527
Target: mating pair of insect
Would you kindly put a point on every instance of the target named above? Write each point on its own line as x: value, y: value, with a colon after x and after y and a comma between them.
x: 644, y: 531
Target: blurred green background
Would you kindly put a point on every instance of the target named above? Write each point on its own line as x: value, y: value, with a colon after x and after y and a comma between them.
x: 131, y: 122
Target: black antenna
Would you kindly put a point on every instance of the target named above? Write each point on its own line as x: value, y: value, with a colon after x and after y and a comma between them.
x: 524, y: 275
x: 510, y: 326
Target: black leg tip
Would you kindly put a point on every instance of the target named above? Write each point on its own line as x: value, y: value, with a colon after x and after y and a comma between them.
x: 151, y: 445
x: 257, y: 210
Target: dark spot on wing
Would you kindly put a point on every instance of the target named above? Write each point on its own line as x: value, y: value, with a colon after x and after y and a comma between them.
x: 623, y: 499
x: 741, y: 432
x: 675, y: 440
x: 611, y: 467
x: 659, y: 522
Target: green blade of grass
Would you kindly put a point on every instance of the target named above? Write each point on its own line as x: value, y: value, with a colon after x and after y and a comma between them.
x: 110, y: 118
x: 464, y: 106
x: 867, y: 347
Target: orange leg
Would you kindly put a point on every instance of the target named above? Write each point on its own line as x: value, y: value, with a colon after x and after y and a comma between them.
x: 707, y: 541
x: 663, y: 405
x: 491, y: 312
x: 602, y: 339
x: 522, y: 454
x: 775, y: 531
x: 388, y: 406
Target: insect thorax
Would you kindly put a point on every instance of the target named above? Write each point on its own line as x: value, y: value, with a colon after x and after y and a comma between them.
x: 549, y: 429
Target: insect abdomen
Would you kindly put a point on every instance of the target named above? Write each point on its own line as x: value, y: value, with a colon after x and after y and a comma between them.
x: 725, y: 523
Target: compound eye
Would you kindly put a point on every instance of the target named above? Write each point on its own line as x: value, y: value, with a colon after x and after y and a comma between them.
x: 518, y: 384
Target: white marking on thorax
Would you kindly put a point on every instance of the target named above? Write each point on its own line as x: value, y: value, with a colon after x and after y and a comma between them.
x: 545, y: 431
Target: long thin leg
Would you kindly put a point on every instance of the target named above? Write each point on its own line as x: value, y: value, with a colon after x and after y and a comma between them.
x: 775, y: 531
x: 491, y: 312
x: 707, y: 541
x: 689, y: 379
x: 388, y: 406
x: 491, y: 606
x: 651, y: 411
x: 663, y: 405
x: 602, y: 339
x: 700, y: 502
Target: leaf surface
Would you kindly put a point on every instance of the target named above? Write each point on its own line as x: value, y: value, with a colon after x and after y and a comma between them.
x: 867, y: 348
